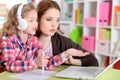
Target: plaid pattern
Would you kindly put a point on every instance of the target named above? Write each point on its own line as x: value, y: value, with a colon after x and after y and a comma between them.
x: 54, y: 62
x: 1, y: 67
x: 18, y: 56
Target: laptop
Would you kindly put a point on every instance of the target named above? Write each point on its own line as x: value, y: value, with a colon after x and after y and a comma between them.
x: 78, y: 72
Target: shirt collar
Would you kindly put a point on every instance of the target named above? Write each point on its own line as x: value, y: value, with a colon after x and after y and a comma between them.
x: 19, y: 40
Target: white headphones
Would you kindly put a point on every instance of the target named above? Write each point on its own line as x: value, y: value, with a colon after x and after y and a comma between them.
x: 22, y: 22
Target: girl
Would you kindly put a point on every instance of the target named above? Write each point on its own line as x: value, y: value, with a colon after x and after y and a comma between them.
x: 18, y: 48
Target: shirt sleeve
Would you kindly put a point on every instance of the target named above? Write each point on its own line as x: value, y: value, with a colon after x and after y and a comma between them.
x: 55, y: 61
x: 61, y: 44
x: 9, y: 58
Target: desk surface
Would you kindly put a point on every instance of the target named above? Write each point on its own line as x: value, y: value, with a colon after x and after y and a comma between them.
x: 112, y: 74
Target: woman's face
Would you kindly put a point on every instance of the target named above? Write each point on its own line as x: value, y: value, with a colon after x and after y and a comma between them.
x: 49, y: 22
x: 32, y: 23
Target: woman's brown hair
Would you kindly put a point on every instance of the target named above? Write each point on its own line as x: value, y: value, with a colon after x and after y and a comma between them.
x: 42, y: 7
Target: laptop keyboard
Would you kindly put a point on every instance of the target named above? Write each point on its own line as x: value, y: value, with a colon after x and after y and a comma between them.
x: 91, y: 71
x: 83, y: 72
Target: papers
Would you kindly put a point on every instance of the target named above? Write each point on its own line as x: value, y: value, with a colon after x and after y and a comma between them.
x: 33, y: 75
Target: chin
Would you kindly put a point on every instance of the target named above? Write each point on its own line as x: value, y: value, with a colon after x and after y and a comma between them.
x: 32, y: 33
x: 52, y: 34
x: 49, y: 34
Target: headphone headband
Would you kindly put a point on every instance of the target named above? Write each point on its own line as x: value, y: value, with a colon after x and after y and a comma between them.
x: 19, y: 11
x: 22, y: 22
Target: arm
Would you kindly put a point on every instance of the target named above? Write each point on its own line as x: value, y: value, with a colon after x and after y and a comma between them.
x: 55, y: 61
x: 12, y: 59
x: 88, y: 60
x: 61, y: 44
x: 66, y: 55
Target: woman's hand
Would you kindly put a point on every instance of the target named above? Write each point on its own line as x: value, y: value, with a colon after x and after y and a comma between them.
x: 75, y: 52
x: 73, y: 61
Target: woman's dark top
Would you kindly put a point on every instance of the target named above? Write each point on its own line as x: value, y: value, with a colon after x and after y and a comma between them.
x: 61, y: 44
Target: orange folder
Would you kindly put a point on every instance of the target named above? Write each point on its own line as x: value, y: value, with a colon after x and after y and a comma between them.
x: 117, y: 9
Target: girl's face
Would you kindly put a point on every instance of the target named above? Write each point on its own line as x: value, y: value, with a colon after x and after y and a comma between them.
x: 31, y: 19
x: 49, y: 22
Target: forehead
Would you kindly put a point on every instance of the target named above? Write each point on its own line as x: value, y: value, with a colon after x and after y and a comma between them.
x: 52, y: 12
x: 31, y: 13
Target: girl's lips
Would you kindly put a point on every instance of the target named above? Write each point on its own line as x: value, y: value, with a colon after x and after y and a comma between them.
x: 34, y: 29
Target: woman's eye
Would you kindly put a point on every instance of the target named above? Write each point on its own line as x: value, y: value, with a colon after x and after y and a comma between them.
x: 48, y: 19
x: 58, y: 20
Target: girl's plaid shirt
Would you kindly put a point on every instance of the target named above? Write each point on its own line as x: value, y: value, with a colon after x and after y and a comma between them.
x: 18, y: 56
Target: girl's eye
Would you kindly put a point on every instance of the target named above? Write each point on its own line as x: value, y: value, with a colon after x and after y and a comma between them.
x: 31, y: 20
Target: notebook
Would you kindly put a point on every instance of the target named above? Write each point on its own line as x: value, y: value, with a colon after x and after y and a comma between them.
x: 84, y: 72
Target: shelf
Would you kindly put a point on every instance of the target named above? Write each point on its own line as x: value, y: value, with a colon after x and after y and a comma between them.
x: 91, y: 0
x: 69, y: 1
x: 79, y: 1
x: 65, y: 22
x: 91, y: 12
x: 106, y: 27
x: 79, y: 25
x: 105, y: 54
x: 116, y: 27
x: 3, y: 10
x: 90, y: 25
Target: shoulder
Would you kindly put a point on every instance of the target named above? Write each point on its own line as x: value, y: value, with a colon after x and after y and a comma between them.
x: 33, y: 38
x: 5, y: 36
x: 58, y: 36
x: 62, y: 40
x: 8, y: 40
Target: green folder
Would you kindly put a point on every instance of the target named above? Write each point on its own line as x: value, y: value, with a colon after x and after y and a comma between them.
x: 76, y: 35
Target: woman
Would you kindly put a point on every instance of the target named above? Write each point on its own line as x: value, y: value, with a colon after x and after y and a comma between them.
x: 18, y: 46
x: 58, y: 49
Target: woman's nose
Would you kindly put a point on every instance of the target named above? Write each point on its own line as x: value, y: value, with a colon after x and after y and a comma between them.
x: 54, y: 23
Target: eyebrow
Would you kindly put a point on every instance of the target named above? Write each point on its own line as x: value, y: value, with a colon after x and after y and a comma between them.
x: 51, y: 17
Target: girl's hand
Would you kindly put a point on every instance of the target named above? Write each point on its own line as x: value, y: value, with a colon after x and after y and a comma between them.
x: 41, y: 60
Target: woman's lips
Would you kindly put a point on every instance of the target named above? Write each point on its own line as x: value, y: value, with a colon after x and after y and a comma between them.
x: 52, y: 30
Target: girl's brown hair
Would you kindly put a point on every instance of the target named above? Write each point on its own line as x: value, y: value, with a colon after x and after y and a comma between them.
x: 11, y: 25
x: 42, y: 7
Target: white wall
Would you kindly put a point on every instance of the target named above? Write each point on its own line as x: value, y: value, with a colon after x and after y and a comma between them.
x: 10, y: 3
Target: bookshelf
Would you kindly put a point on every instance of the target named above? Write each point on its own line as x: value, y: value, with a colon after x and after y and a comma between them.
x: 3, y: 14
x: 98, y: 19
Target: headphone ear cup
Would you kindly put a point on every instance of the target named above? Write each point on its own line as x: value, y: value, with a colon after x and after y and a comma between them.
x: 22, y: 24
